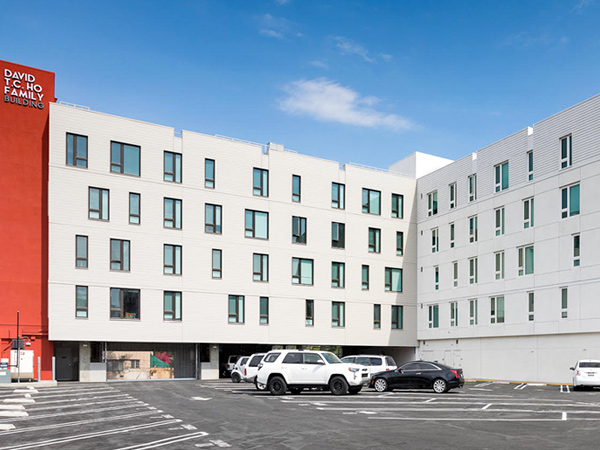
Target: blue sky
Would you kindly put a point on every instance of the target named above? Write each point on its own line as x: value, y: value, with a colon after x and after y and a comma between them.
x: 352, y: 81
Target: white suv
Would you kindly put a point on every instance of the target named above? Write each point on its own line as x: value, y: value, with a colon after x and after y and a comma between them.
x: 294, y: 370
x: 251, y: 368
x: 374, y: 363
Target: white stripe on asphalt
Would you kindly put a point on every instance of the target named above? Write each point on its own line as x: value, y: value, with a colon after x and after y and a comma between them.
x: 19, y: 400
x: 487, y: 406
x: 86, y: 411
x: 6, y: 426
x: 13, y: 414
x: 11, y: 407
x: 166, y: 441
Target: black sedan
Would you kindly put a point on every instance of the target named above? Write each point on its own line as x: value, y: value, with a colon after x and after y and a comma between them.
x: 419, y: 375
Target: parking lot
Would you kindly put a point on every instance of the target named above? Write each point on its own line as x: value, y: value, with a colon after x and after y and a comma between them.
x: 221, y: 414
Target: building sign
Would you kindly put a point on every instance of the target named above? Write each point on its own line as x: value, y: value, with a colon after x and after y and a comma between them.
x: 20, y: 88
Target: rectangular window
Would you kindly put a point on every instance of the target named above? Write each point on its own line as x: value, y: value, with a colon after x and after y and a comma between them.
x: 455, y: 273
x: 257, y: 224
x: 296, y: 186
x: 398, y: 206
x: 377, y: 316
x: 525, y: 260
x: 338, y: 314
x: 432, y: 203
x: 435, y: 240
x: 125, y: 158
x: 501, y: 176
x: 436, y: 277
x: 365, y: 277
x: 393, y: 279
x: 172, y: 167
x: 310, y: 313
x: 338, y: 196
x: 397, y: 317
x: 236, y: 309
x: 299, y: 230
x: 119, y: 254
x: 452, y: 195
x: 528, y: 213
x: 81, y: 301
x: 566, y: 152
x: 399, y: 243
x: 172, y: 213
x: 124, y: 303
x: 374, y: 240
x: 172, y: 263
x: 531, y: 306
x: 530, y: 165
x: 473, y: 234
x: 499, y: 220
x: 338, y: 235
x: 371, y: 201
x: 564, y: 303
x: 570, y: 201
x: 209, y: 173
x: 135, y: 208
x: 499, y: 265
x: 473, y: 311
x: 576, y: 250
x: 260, y: 267
x: 452, y: 235
x: 434, y: 316
x: 264, y: 311
x: 217, y: 263
x: 98, y: 203
x: 213, y: 218
x: 473, y: 277
x: 497, y: 309
x: 77, y: 151
x: 81, y: 252
x: 260, y: 182
x: 453, y: 314
x: 172, y: 305
x: 472, y: 184
x: 302, y: 271
x: 337, y: 274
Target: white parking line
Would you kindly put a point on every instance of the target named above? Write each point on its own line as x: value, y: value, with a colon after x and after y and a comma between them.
x: 19, y: 400
x: 6, y: 426
x: 564, y: 416
x: 13, y: 414
x: 81, y: 412
x: 166, y: 441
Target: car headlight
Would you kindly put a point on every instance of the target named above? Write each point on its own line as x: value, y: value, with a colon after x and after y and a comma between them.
x: 353, y: 369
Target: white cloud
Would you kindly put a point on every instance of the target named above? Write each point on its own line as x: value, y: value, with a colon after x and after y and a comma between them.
x: 282, y: 2
x: 319, y: 63
x: 349, y: 47
x: 275, y: 27
x: 525, y: 39
x: 580, y: 4
x: 328, y: 101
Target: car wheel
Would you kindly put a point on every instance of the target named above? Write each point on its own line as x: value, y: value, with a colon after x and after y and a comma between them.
x: 440, y: 386
x: 380, y: 385
x: 235, y: 377
x: 277, y: 386
x: 354, y: 390
x: 295, y: 391
x: 576, y: 388
x: 338, y: 386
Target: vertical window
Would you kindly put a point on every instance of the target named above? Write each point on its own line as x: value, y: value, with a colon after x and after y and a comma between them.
x: 435, y: 240
x: 528, y: 213
x: 257, y: 224
x: 564, y: 303
x: 371, y: 201
x: 135, y: 216
x: 452, y: 235
x: 172, y: 167
x: 124, y: 303
x: 499, y: 265
x: 213, y: 218
x: 473, y: 277
x: 399, y: 243
x: 396, y: 317
x: 452, y: 195
x: 531, y: 305
x: 453, y: 314
x: 525, y: 260
x: 499, y: 220
x: 172, y: 262
x: 260, y: 267
x: 76, y: 151
x: 172, y: 213
x: 393, y: 279
x: 377, y: 316
x: 264, y: 311
x: 119, y: 254
x: 260, y: 182
x: 374, y: 240
x: 296, y: 186
x: 576, y: 250
x: 209, y: 173
x: 236, y: 309
x: 81, y: 252
x: 473, y: 234
x: 566, y: 152
x: 432, y: 203
x: 473, y: 311
x: 310, y: 313
x: 217, y: 263
x: 472, y: 187
x: 501, y: 176
x: 338, y: 235
x: 434, y: 316
x: 530, y: 165
x: 337, y: 274
x: 398, y: 206
x: 497, y: 309
x: 436, y: 277
x: 302, y: 271
x: 338, y: 314
x: 570, y: 201
x: 125, y: 158
x: 81, y: 301
x: 172, y: 305
x: 98, y: 203
x: 365, y: 277
x: 455, y: 273
x: 338, y: 196
x: 299, y: 230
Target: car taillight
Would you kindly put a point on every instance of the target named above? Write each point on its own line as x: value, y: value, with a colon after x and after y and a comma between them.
x: 577, y: 373
x: 245, y: 372
x: 455, y: 372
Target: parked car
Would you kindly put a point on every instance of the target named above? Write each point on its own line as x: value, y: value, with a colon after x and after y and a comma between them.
x: 231, y: 360
x: 251, y: 368
x: 294, y: 370
x: 419, y: 375
x: 238, y: 369
x: 586, y: 374
x: 375, y: 363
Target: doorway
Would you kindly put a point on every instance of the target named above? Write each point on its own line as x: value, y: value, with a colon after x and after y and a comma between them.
x: 67, y: 361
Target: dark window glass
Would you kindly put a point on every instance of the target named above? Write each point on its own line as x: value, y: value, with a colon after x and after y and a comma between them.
x: 77, y: 150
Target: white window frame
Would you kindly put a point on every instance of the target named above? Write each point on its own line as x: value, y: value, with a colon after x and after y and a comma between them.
x: 499, y: 265
x: 498, y: 178
x: 528, y: 210
x: 473, y: 311
x: 433, y: 311
x: 436, y: 277
x: 530, y: 165
x: 497, y: 305
x: 473, y: 275
x: 530, y: 306
x: 453, y: 314
x: 566, y: 159
x: 564, y: 303
x: 452, y: 195
x: 473, y: 232
x: 472, y: 184
x: 522, y: 260
x: 435, y: 240
x: 576, y: 250
x: 452, y: 234
x: 499, y: 220
x: 566, y: 209
x: 454, y: 273
x: 432, y: 203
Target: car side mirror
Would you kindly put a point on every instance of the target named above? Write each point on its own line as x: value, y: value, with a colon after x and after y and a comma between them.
x: 571, y: 368
x: 321, y: 362
x: 400, y: 371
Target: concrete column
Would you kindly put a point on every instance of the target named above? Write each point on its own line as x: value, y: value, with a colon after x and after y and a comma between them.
x: 85, y: 354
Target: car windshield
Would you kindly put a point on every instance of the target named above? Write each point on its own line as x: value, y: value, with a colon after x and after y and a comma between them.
x: 331, y: 358
x: 589, y: 364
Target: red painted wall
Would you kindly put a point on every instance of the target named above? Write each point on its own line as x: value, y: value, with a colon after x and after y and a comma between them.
x: 24, y: 209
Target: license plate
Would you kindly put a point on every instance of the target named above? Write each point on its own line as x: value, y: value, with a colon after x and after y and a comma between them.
x: 591, y: 374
